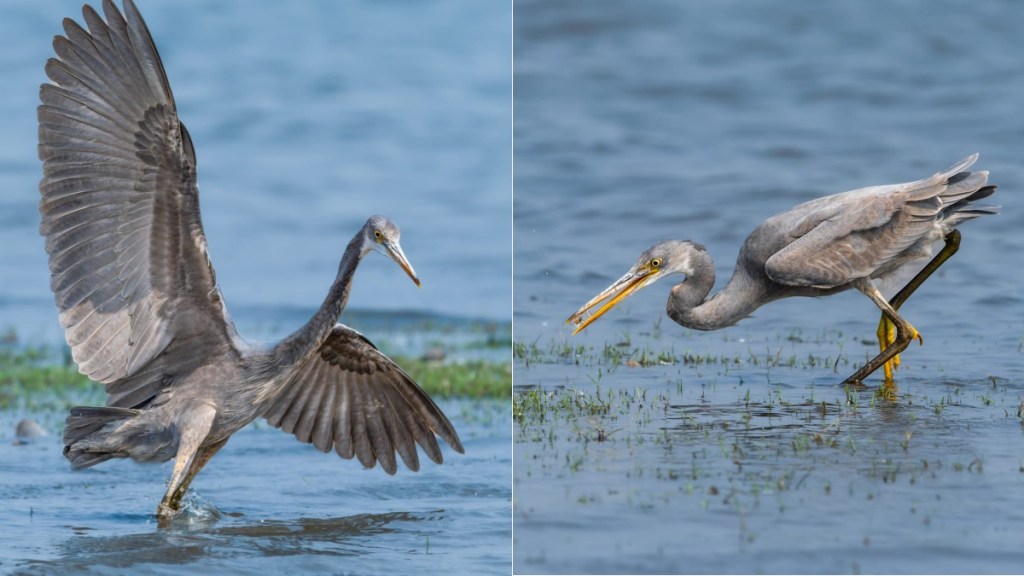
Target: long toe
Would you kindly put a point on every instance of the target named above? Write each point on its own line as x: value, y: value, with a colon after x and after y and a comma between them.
x: 886, y: 333
x: 914, y: 334
x: 886, y: 336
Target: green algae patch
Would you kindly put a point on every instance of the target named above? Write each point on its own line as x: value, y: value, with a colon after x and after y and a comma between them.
x: 41, y: 378
x: 470, y: 379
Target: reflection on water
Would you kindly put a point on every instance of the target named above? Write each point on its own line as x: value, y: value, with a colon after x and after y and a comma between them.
x: 321, y: 537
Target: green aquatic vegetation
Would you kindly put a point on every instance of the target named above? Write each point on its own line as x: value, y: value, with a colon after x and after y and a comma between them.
x: 32, y: 376
x: 41, y: 377
x: 537, y: 405
x: 42, y: 387
x: 472, y: 379
x: 625, y: 352
x: 687, y: 442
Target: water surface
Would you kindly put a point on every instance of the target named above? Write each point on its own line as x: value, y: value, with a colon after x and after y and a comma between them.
x: 282, y: 505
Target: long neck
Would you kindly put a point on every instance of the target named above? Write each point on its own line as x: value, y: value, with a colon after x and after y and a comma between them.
x: 689, y: 305
x: 307, y: 340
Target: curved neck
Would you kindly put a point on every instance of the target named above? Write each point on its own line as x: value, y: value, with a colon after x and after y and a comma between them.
x: 307, y: 340
x: 689, y: 305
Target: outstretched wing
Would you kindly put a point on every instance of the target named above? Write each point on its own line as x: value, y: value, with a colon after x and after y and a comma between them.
x: 867, y: 232
x: 353, y: 398
x: 120, y: 211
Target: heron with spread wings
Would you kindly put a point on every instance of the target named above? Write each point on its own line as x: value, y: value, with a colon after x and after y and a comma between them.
x: 848, y: 240
x: 139, y: 301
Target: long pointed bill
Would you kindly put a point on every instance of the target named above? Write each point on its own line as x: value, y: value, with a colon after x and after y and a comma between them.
x: 394, y: 250
x: 624, y: 287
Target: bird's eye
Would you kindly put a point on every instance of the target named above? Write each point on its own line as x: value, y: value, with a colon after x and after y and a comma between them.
x: 378, y: 235
x: 656, y: 263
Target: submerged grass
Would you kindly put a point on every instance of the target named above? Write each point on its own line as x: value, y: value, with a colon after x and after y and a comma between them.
x: 749, y: 441
x: 780, y: 352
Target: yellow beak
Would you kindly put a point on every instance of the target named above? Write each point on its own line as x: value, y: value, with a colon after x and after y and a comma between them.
x: 623, y: 288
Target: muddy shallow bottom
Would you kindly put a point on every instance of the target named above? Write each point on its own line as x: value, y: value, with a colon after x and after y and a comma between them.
x: 265, y: 503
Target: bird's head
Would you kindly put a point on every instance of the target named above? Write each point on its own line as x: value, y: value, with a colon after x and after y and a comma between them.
x: 662, y: 259
x: 382, y: 235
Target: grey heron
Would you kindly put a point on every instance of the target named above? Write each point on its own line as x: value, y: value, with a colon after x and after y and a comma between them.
x: 847, y: 240
x: 140, y: 304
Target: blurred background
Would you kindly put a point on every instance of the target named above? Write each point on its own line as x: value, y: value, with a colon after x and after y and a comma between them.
x: 637, y: 122
x: 307, y: 118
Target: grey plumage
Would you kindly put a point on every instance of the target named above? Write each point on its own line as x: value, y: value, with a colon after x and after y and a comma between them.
x: 821, y: 247
x: 139, y: 300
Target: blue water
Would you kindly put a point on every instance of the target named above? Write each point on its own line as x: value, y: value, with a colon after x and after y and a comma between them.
x: 637, y: 122
x: 282, y: 506
x: 307, y: 118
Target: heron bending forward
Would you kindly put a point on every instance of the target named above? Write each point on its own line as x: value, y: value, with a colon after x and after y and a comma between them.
x: 139, y: 300
x: 848, y: 240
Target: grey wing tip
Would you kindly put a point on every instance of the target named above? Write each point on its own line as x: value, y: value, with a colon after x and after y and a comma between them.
x: 88, y: 11
x: 962, y: 165
x: 984, y: 209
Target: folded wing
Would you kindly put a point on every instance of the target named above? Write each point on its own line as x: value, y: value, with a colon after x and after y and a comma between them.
x: 868, y: 232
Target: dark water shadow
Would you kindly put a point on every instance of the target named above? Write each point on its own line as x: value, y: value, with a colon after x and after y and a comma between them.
x: 244, y: 542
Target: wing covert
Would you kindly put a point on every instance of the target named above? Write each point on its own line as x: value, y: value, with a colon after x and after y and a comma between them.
x: 865, y: 232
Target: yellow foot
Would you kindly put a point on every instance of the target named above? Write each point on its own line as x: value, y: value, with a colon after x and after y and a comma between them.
x: 886, y: 336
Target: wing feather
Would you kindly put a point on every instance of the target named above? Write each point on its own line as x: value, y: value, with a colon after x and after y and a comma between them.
x: 297, y: 405
x: 344, y: 445
x: 366, y: 408
x: 308, y: 410
x: 120, y: 212
x: 360, y: 435
x: 322, y: 433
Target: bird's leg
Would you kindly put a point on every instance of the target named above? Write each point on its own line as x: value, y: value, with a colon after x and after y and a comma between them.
x: 201, y: 458
x: 904, y: 332
x: 191, y: 456
x: 886, y: 329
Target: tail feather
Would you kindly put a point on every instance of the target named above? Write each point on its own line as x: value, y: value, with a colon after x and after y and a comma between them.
x: 963, y: 186
x: 965, y: 208
x: 80, y: 427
